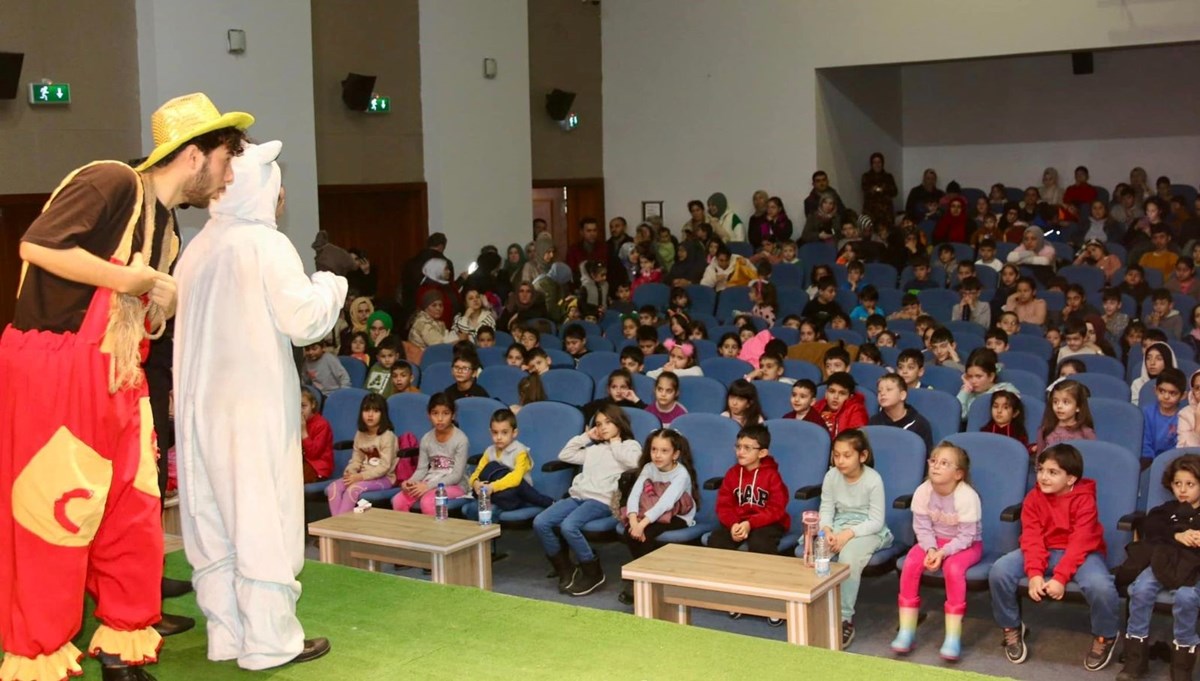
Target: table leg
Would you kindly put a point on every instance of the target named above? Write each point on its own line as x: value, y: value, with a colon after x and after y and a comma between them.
x: 797, y: 623
x: 327, y: 550
x: 833, y: 601
x: 438, y: 568
x: 645, y: 603
x: 483, y: 562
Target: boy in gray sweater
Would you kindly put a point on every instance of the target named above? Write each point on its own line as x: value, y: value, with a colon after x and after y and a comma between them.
x: 324, y: 371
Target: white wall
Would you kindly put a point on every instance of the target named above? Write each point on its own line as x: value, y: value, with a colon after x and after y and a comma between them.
x: 477, y: 135
x: 182, y: 49
x: 708, y: 94
x: 1003, y: 120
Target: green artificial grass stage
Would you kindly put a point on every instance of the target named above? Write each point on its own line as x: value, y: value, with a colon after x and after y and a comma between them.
x: 387, y: 627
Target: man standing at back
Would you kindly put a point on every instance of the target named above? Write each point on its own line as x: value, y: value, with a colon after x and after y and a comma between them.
x: 592, y: 247
x: 79, y: 498
x: 244, y: 302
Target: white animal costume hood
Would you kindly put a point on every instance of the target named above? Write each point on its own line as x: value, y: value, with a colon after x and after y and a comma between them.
x: 244, y: 301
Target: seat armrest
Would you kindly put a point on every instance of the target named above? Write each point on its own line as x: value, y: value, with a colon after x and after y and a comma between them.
x: 902, y: 503
x: 1011, y: 514
x: 344, y: 444
x: 810, y: 492
x: 1130, y: 522
x: 712, y: 483
x: 554, y: 466
x: 474, y: 459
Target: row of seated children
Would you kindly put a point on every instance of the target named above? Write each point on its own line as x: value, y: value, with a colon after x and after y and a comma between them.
x: 607, y: 447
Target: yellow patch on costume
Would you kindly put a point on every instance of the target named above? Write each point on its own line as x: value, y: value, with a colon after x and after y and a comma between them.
x: 61, y: 493
x: 133, y: 647
x: 146, y: 479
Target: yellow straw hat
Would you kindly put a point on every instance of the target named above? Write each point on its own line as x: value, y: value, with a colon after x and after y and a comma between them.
x: 184, y: 118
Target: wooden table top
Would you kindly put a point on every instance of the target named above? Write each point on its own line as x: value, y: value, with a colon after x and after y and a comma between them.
x: 741, y: 572
x: 405, y: 530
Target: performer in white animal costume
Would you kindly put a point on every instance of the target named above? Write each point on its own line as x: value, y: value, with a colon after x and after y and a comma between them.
x: 244, y: 301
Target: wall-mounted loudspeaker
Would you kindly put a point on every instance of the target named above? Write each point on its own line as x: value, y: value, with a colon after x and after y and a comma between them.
x: 558, y: 104
x: 10, y: 73
x: 1081, y: 63
x: 356, y: 91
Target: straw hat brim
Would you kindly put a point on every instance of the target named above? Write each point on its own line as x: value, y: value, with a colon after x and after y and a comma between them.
x: 233, y: 119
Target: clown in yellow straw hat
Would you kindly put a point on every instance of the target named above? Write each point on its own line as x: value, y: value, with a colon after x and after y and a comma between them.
x: 79, y: 462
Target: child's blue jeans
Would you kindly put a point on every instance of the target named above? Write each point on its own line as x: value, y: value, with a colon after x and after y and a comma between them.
x: 1141, y: 606
x: 1093, y: 578
x: 569, y: 516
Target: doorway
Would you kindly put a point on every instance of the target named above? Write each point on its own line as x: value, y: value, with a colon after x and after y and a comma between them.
x: 563, y: 203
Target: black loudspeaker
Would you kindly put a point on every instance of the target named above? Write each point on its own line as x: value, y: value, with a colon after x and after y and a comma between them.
x: 558, y: 104
x: 356, y: 91
x: 10, y: 74
x: 1081, y: 63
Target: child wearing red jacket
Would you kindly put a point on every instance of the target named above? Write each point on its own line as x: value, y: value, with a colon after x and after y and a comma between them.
x: 752, y: 501
x: 842, y: 408
x: 1061, y: 540
x: 316, y: 442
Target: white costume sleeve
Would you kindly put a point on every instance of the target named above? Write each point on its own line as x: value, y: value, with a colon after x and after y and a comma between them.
x: 302, y: 309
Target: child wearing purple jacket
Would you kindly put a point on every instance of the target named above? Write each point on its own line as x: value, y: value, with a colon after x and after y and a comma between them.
x: 666, y: 404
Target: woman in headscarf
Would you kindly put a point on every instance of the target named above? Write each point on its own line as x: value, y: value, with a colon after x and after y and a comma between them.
x: 952, y: 226
x: 427, y: 327
x: 1051, y: 193
x: 691, y: 263
x: 436, y: 277
x: 755, y: 228
x: 514, y: 260
x: 379, y: 326
x: 484, y: 279
x: 522, y: 306
x: 728, y: 226
x: 539, y: 264
x: 357, y: 313
x: 822, y: 224
x: 879, y: 191
x: 1035, y: 254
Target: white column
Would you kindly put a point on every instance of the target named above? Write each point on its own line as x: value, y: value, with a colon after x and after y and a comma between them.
x: 182, y: 48
x: 476, y: 130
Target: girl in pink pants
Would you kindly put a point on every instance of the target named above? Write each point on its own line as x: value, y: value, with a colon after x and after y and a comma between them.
x: 946, y: 519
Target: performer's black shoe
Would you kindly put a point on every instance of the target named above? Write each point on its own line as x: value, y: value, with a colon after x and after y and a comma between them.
x: 173, y: 624
x: 125, y: 673
x: 173, y: 588
x: 313, y: 648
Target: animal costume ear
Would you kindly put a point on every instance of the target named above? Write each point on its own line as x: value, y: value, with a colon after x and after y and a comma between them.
x: 264, y: 153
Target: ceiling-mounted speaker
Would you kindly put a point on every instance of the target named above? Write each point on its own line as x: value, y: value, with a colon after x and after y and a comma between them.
x: 357, y: 90
x: 558, y: 103
x: 10, y: 73
x: 1081, y: 63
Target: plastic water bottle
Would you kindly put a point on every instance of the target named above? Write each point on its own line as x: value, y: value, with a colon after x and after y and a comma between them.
x: 439, y: 502
x: 485, y: 505
x: 821, y: 555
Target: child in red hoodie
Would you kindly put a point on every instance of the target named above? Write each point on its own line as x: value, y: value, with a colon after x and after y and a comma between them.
x: 752, y: 501
x: 842, y: 408
x: 1061, y: 540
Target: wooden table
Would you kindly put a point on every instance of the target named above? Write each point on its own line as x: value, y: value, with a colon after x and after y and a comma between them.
x: 457, y: 551
x: 677, y: 577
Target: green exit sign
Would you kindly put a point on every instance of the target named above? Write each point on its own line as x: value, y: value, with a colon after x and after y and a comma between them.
x: 380, y: 105
x: 49, y: 93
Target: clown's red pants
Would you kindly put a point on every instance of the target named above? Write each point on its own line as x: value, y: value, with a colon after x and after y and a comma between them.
x: 79, y: 504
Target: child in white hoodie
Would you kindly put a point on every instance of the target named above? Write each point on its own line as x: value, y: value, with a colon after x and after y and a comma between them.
x: 606, y: 450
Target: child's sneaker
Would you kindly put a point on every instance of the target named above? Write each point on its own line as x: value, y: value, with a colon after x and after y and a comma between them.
x: 847, y: 633
x: 735, y: 615
x: 774, y: 621
x: 1100, y: 654
x: 1014, y: 644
